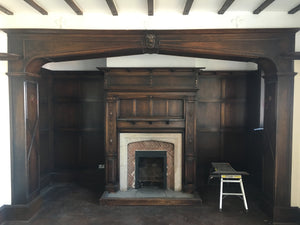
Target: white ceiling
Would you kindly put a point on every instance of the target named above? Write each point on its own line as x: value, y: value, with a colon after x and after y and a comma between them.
x: 140, y: 6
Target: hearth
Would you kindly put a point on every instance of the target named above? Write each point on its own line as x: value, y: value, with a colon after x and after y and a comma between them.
x: 151, y: 145
x: 150, y: 169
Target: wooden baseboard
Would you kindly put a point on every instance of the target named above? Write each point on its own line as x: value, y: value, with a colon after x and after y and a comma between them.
x: 286, y: 215
x: 20, y: 212
x: 2, y: 214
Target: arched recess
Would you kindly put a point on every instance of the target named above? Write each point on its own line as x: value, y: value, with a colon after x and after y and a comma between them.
x: 41, y: 46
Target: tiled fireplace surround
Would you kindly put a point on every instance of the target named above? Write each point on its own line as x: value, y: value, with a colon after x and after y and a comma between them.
x: 169, y: 142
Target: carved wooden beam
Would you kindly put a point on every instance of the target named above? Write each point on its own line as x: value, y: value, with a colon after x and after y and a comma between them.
x: 264, y: 5
x: 150, y: 7
x: 225, y: 6
x: 112, y: 7
x: 294, y: 10
x: 75, y: 8
x: 293, y: 55
x: 187, y: 7
x: 5, y: 10
x: 9, y: 57
x: 34, y: 5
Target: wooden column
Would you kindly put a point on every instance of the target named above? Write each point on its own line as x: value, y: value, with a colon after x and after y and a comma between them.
x: 190, y: 156
x: 24, y: 113
x: 283, y: 146
x: 111, y: 147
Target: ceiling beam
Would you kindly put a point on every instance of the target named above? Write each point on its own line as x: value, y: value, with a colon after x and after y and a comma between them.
x: 150, y: 7
x: 34, y: 5
x: 187, y: 7
x: 294, y: 10
x: 9, y: 56
x: 264, y: 5
x: 225, y: 6
x: 5, y: 10
x: 112, y: 7
x: 75, y: 8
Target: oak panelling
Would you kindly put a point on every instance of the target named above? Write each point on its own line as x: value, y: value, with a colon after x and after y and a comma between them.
x: 234, y: 115
x: 234, y: 87
x: 65, y: 88
x: 127, y: 108
x: 92, y: 115
x: 176, y: 108
x: 32, y: 136
x: 67, y: 115
x: 209, y: 87
x: 208, y: 150
x: 143, y: 108
x: 234, y: 149
x: 148, y: 79
x: 66, y: 150
x: 160, y: 108
x: 208, y: 116
x: 92, y: 149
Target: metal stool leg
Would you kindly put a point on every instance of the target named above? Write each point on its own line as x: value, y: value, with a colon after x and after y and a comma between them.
x: 243, y: 192
x: 221, y: 194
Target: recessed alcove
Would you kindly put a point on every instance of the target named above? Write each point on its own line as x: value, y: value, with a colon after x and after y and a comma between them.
x: 215, y: 111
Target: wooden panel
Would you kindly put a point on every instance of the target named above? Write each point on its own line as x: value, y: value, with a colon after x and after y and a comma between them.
x: 92, y: 115
x: 66, y: 153
x: 32, y: 136
x: 234, y: 115
x: 142, y: 108
x: 159, y: 108
x: 209, y: 88
x: 234, y: 88
x: 208, y: 115
x: 65, y: 88
x: 127, y: 108
x: 234, y: 149
x: 92, y: 88
x: 175, y: 108
x: 67, y: 115
x: 92, y: 152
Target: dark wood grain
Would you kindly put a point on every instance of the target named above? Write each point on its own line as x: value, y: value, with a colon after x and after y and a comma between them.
x: 225, y: 6
x: 37, y: 7
x: 9, y: 56
x: 74, y: 6
x: 5, y: 10
x: 255, y: 45
x: 264, y: 5
x: 187, y: 7
x: 112, y: 6
x: 150, y: 7
x: 294, y: 10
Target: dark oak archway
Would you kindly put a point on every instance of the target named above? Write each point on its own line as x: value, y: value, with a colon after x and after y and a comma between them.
x: 266, y: 47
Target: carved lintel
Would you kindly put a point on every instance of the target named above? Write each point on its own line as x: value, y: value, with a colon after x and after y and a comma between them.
x: 150, y: 43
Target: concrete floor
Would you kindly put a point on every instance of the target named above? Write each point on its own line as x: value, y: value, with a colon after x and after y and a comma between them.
x: 74, y: 205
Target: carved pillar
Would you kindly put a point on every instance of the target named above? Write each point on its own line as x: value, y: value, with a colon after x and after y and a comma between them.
x: 24, y: 113
x: 283, y: 147
x: 190, y: 156
x: 111, y: 148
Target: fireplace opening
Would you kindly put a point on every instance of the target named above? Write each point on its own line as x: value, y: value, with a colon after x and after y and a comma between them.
x: 150, y: 169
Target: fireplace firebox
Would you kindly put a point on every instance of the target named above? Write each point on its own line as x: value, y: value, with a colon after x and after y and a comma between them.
x: 151, y: 169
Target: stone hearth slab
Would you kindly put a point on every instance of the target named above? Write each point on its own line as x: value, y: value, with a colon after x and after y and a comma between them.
x: 149, y: 196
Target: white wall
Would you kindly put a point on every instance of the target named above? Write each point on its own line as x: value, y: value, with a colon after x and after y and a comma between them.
x: 161, y: 20
x: 5, y: 186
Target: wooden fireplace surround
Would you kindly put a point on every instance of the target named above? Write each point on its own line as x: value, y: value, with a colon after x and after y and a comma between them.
x: 269, y: 48
x: 150, y: 100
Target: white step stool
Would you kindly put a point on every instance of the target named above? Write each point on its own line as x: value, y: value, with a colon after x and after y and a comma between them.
x: 227, y: 174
